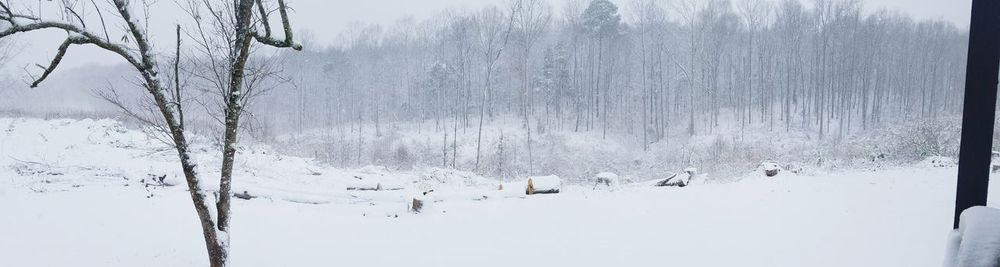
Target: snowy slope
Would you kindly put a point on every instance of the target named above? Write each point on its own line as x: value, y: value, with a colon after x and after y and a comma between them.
x: 70, y: 195
x: 58, y: 155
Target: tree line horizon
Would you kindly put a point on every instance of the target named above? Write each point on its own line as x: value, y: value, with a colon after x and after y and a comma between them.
x: 827, y: 68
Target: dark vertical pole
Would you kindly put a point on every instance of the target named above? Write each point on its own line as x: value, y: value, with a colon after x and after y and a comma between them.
x: 980, y: 105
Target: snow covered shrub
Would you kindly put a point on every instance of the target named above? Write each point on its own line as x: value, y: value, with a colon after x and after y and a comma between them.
x: 403, y: 159
x: 501, y: 159
x: 551, y: 153
x: 923, y: 139
x: 938, y: 162
x: 606, y: 180
x: 381, y: 150
x: 724, y: 155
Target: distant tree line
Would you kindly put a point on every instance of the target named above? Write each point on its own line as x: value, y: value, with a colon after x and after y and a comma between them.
x: 690, y: 67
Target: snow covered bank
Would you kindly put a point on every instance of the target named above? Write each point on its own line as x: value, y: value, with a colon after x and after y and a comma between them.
x: 896, y: 218
x: 72, y: 193
x: 59, y: 155
x: 722, y: 154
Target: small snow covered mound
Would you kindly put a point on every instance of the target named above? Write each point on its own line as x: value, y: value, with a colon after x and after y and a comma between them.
x: 976, y: 243
x: 938, y: 162
x: 512, y: 189
x: 771, y: 169
x: 59, y: 154
x: 63, y: 154
x: 543, y: 185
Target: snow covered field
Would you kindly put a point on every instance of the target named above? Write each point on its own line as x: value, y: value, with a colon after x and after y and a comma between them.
x: 81, y: 193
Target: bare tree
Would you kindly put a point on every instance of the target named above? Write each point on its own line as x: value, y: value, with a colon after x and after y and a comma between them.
x: 688, y: 10
x: 753, y: 12
x: 530, y: 22
x: 494, y: 28
x: 238, y: 26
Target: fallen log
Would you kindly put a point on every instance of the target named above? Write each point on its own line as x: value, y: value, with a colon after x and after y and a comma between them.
x: 244, y: 195
x: 364, y: 185
x: 543, y: 185
x: 679, y: 180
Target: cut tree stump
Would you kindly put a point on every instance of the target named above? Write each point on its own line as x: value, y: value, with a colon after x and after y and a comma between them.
x: 416, y: 205
x: 771, y: 169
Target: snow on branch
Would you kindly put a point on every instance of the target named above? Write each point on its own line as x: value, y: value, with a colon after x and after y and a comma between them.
x: 77, y: 35
x: 267, y: 39
x: 7, y: 14
x: 138, y: 34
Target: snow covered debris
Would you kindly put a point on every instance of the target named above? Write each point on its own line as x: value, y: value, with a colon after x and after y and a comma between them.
x: 771, y: 169
x: 364, y: 184
x: 976, y: 243
x: 515, y: 189
x: 606, y: 180
x: 543, y: 185
x: 300, y: 213
x: 711, y: 225
x: 938, y: 162
x: 680, y: 179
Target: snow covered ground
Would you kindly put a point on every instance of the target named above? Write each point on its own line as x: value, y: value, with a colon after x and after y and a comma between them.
x: 81, y: 193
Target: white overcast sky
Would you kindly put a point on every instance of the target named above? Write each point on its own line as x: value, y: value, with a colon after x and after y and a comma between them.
x: 325, y: 19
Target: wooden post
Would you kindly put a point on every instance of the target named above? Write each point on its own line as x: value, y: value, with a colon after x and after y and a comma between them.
x: 980, y: 106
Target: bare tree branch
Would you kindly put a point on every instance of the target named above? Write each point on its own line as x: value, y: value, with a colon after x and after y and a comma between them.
x: 80, y: 36
x: 103, y: 24
x: 73, y: 12
x: 58, y: 58
x: 266, y: 39
x: 264, y: 19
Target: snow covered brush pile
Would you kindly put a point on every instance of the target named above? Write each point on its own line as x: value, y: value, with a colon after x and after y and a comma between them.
x: 579, y: 157
x: 55, y: 155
